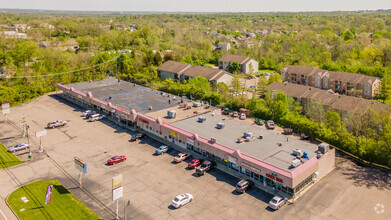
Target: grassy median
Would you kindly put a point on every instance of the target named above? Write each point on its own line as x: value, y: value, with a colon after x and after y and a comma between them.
x: 63, y: 205
x: 7, y: 159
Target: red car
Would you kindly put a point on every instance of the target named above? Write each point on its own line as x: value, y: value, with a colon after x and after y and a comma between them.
x: 115, y: 160
x: 194, y: 163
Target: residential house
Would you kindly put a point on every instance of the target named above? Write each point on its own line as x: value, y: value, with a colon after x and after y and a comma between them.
x: 47, y: 25
x: 183, y: 71
x: 20, y: 27
x: 247, y: 64
x: 224, y: 46
x: 342, y: 104
x: 13, y: 34
x: 341, y: 82
x: 60, y: 45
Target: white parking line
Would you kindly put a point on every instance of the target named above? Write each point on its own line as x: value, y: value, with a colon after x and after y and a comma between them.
x: 3, y: 215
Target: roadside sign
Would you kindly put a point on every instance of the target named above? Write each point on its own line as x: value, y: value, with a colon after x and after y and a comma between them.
x: 5, y: 108
x: 80, y: 165
x: 23, y: 120
x: 118, y: 191
x: 5, y: 111
x: 48, y: 194
x: 41, y: 133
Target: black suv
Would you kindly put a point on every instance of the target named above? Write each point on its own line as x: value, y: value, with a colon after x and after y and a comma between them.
x: 243, y: 185
x: 205, y: 166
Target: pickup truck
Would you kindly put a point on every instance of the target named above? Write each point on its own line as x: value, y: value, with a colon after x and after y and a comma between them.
x: 181, y: 157
x: 57, y: 123
x: 204, y: 167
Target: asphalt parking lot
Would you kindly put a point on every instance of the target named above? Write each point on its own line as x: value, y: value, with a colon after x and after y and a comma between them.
x: 151, y: 182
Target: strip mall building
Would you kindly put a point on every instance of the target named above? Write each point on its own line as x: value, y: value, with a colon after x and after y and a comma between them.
x: 266, y: 160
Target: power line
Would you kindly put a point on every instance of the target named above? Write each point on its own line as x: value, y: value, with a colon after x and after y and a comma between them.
x: 53, y: 74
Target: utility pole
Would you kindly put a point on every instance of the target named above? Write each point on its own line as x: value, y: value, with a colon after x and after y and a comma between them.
x: 28, y: 138
x: 125, y: 205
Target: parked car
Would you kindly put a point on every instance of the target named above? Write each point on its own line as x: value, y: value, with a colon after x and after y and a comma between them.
x: 226, y: 111
x: 287, y: 131
x: 242, y: 116
x: 194, y: 163
x: 138, y: 136
x: 181, y: 200
x: 270, y: 125
x: 18, y: 147
x: 57, y: 123
x: 204, y: 167
x: 88, y: 112
x: 181, y: 157
x: 162, y: 149
x: 243, y: 185
x: 96, y: 117
x: 115, y: 160
x: 235, y: 114
x: 259, y: 121
x: 277, y: 202
x: 304, y: 137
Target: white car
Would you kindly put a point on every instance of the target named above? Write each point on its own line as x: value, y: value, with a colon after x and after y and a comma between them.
x: 96, y: 117
x: 277, y: 202
x: 18, y: 147
x: 88, y: 112
x: 181, y: 200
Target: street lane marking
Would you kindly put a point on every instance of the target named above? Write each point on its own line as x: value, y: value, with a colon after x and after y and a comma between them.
x: 3, y: 215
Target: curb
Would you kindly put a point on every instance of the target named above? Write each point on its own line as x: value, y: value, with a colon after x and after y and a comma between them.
x: 5, y: 200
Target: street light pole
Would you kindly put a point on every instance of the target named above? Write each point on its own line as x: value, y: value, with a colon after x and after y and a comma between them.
x: 126, y: 204
x: 28, y: 138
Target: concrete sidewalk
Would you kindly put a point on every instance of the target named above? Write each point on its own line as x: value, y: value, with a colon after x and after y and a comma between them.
x: 5, y: 212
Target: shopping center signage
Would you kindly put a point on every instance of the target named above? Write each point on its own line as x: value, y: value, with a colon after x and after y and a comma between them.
x: 173, y: 134
x: 273, y: 177
x: 143, y: 121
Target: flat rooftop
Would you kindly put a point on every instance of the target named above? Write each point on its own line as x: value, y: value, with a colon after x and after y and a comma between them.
x: 265, y: 149
x: 127, y: 95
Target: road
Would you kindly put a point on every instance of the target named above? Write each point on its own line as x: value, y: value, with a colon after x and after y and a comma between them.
x: 151, y: 182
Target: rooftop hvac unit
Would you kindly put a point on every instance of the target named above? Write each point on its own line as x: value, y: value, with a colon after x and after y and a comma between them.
x: 220, y: 125
x: 295, y: 163
x: 324, y: 148
x: 201, y: 119
x: 248, y: 134
x: 297, y: 152
x: 171, y: 114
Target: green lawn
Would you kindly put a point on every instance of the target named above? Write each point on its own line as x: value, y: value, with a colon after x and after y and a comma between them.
x: 7, y: 159
x: 63, y: 205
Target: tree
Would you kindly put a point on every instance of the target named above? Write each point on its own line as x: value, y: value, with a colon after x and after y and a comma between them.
x: 332, y: 120
x: 347, y: 35
x: 234, y: 67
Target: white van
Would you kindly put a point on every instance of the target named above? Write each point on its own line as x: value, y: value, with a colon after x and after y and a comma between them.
x: 96, y: 117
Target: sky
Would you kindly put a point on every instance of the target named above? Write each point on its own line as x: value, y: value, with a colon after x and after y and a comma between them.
x: 199, y: 5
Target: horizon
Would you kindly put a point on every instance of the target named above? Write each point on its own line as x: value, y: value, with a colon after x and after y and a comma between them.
x: 201, y: 6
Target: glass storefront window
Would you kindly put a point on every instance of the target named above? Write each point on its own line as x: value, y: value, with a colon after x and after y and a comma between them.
x: 256, y: 176
x: 234, y: 166
x: 242, y: 170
